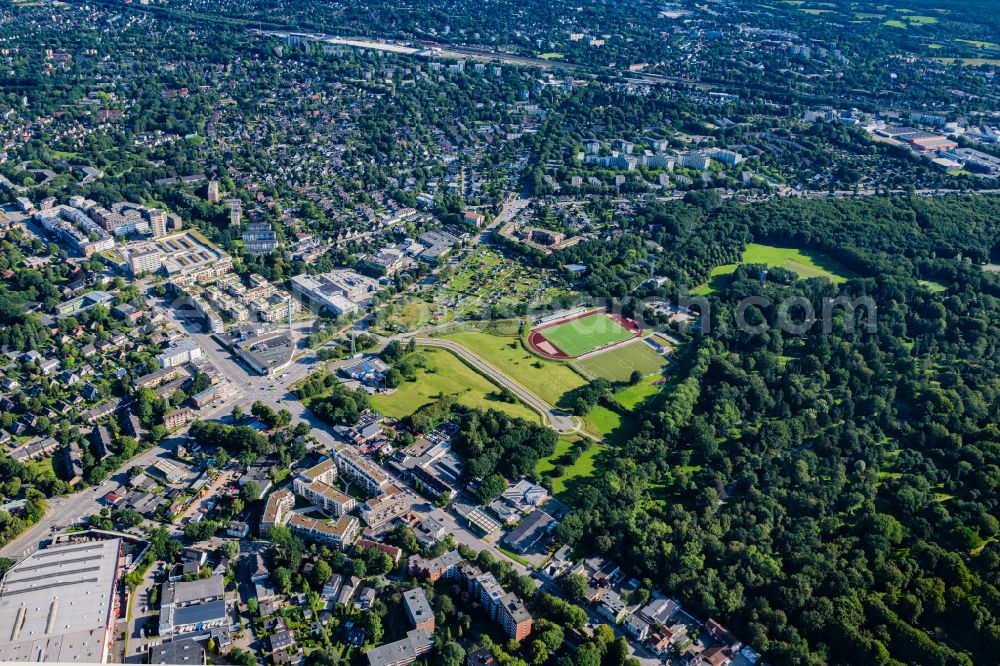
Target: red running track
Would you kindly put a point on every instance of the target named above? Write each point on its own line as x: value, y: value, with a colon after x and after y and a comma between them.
x: 541, y: 346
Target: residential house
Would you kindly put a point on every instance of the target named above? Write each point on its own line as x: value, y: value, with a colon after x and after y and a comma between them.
x: 331, y: 588
x: 611, y: 606
x: 347, y: 590
x: 365, y: 599
x: 714, y: 656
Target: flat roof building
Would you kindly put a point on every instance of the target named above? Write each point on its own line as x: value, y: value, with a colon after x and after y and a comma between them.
x: 190, y: 605
x: 418, y: 610
x: 402, y: 652
x: 178, y: 653
x: 60, y: 604
x: 269, y: 353
x: 340, y: 533
x: 279, y: 503
x: 340, y: 291
x: 530, y: 531
x: 185, y: 351
x: 361, y: 471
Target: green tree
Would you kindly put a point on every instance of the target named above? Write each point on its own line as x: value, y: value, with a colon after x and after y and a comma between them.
x: 451, y: 654
x: 373, y: 628
x: 231, y: 549
x: 358, y: 568
x: 322, y: 573
x: 241, y: 657
x: 575, y: 586
x: 282, y: 580
x: 250, y: 491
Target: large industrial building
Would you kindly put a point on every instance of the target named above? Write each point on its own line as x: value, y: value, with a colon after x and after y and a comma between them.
x: 61, y: 604
x: 342, y: 292
x: 267, y: 353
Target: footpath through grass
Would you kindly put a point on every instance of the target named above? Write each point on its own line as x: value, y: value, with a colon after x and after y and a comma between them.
x: 547, y: 379
x: 445, y: 374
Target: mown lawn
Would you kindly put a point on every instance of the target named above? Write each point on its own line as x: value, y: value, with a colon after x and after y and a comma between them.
x: 618, y: 364
x: 585, y: 334
x: 446, y: 374
x: 932, y: 285
x: 42, y: 465
x: 804, y: 263
x: 583, y: 467
x: 549, y: 380
x: 603, y: 421
x: 631, y: 397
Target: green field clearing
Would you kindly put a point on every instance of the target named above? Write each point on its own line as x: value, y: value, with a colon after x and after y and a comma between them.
x: 717, y: 280
x: 804, y: 263
x: 979, y: 44
x: 932, y: 285
x: 446, y: 374
x: 547, y: 379
x: 912, y: 21
x: 631, y: 397
x: 583, y: 467
x: 413, y: 314
x: 969, y: 62
x: 42, y: 466
x: 617, y: 364
x: 586, y: 334
x: 551, y: 56
x: 602, y: 421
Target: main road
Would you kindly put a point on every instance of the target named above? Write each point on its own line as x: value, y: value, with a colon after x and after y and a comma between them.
x: 67, y: 510
x: 274, y: 392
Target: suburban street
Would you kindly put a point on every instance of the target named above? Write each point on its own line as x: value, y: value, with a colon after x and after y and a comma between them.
x: 67, y: 510
x: 275, y: 393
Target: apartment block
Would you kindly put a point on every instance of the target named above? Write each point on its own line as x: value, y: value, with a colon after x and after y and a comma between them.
x: 341, y: 533
x: 316, y: 486
x: 361, y: 471
x: 279, y: 503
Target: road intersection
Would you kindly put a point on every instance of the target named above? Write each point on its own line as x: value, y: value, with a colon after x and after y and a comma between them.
x: 275, y: 392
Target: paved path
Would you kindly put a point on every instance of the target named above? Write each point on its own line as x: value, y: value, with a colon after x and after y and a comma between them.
x: 560, y: 421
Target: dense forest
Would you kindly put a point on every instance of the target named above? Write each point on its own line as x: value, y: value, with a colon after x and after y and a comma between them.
x: 831, y: 494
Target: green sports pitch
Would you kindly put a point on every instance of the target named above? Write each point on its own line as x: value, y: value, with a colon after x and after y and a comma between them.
x: 585, y: 334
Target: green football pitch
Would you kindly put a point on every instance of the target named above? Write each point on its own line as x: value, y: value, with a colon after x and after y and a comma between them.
x: 586, y: 334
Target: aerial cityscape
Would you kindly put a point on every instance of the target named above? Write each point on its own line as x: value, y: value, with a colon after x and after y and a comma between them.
x: 500, y: 333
